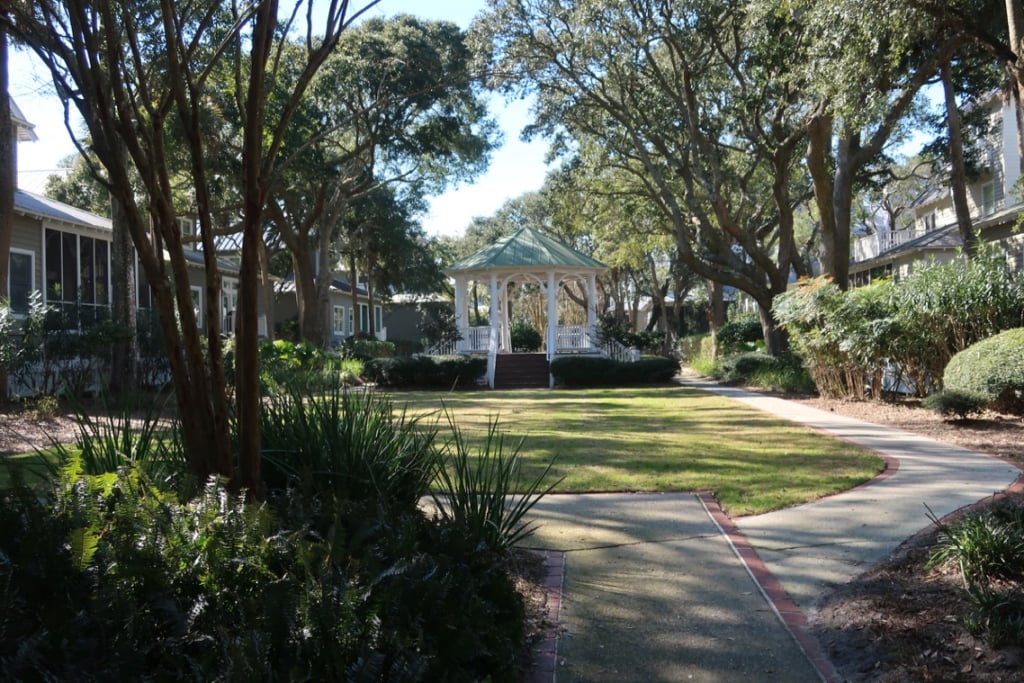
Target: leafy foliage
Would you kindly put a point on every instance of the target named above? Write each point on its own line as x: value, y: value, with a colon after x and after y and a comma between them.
x: 740, y: 335
x: 992, y: 369
x: 571, y: 371
x: 843, y: 337
x: 847, y: 339
x: 444, y: 372
x: 611, y: 327
x: 988, y: 549
x: 481, y: 493
x: 338, y: 576
x: 962, y: 404
x: 524, y: 337
x: 785, y: 372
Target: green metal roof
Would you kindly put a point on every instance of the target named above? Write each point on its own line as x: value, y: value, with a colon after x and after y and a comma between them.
x: 528, y: 248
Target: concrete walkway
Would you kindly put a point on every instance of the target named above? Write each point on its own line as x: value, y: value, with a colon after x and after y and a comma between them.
x: 663, y: 587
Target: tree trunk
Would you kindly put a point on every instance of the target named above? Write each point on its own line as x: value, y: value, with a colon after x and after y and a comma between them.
x: 776, y: 339
x: 267, y: 290
x: 123, y: 379
x: 716, y: 308
x: 8, y: 185
x: 372, y: 319
x: 847, y: 166
x: 958, y: 174
x: 253, y: 198
x: 819, y: 163
x: 353, y: 283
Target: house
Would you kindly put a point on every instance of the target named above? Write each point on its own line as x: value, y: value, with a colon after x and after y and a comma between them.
x: 65, y: 254
x: 342, y: 319
x: 995, y: 203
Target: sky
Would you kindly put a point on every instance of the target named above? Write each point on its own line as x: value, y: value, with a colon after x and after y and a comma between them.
x: 517, y: 167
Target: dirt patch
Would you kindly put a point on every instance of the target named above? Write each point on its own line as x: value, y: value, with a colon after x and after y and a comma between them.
x: 900, y: 621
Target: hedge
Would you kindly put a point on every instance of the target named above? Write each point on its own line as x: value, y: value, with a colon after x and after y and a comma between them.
x: 425, y: 371
x: 585, y: 371
x: 992, y: 368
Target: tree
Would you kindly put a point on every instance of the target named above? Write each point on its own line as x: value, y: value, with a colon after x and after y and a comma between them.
x: 138, y: 69
x: 857, y: 98
x: 395, y: 104
x: 677, y: 97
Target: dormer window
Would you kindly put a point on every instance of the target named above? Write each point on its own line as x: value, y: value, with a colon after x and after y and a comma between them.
x: 988, y: 199
x: 929, y: 221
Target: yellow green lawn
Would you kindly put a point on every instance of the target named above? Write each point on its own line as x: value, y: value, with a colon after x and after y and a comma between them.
x: 658, y: 439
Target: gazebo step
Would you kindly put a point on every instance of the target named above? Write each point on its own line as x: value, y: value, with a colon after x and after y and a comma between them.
x: 521, y: 371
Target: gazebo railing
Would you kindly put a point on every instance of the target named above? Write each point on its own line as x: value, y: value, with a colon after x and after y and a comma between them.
x: 573, y: 339
x: 478, y: 339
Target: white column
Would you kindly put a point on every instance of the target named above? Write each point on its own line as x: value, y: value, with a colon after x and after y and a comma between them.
x: 461, y: 314
x: 552, y: 315
x: 506, y: 332
x: 492, y: 343
x: 592, y: 309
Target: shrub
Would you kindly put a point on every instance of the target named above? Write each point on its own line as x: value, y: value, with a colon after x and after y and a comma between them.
x: 948, y: 402
x: 737, y: 336
x: 439, y: 325
x: 445, y: 372
x: 992, y: 368
x: 987, y: 547
x: 843, y: 338
x: 285, y: 364
x: 695, y: 346
x: 611, y: 327
x: 339, y: 576
x: 583, y: 371
x: 482, y: 494
x: 524, y: 337
x: 943, y: 308
x: 346, y: 446
x: 366, y: 349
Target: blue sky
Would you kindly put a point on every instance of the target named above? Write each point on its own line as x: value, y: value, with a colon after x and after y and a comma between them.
x: 516, y: 168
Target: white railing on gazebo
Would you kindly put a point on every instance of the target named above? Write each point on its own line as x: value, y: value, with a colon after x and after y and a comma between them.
x: 478, y: 339
x: 572, y: 338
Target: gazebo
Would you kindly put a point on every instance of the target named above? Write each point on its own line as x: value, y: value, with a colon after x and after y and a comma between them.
x: 525, y: 256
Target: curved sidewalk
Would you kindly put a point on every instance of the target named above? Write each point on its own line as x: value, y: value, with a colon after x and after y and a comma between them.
x: 663, y: 587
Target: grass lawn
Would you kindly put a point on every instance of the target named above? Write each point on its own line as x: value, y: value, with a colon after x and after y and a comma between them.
x: 32, y: 466
x: 658, y: 439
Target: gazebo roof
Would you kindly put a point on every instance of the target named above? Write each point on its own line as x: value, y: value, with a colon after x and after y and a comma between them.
x: 526, y: 248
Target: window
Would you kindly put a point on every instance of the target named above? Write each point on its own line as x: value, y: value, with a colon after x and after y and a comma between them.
x: 378, y: 319
x: 988, y: 199
x: 197, y: 304
x: 364, y: 319
x: 228, y: 304
x: 20, y: 283
x: 338, y: 320
x: 929, y: 221
x: 77, y: 268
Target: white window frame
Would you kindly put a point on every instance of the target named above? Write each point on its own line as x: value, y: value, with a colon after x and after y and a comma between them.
x: 197, y: 303
x: 378, y: 319
x: 338, y: 320
x: 31, y: 274
x: 988, y: 198
x: 228, y: 302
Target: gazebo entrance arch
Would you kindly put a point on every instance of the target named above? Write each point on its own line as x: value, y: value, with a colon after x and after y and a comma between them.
x: 525, y: 256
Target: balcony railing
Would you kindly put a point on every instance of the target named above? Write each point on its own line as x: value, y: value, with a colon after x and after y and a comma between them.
x: 870, y: 246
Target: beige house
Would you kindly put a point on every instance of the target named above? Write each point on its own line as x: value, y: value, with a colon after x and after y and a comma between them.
x: 995, y: 201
